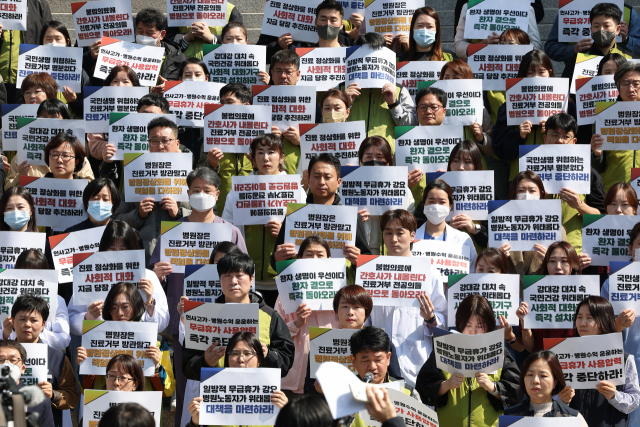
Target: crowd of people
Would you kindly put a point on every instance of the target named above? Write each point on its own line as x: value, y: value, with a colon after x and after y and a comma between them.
x: 394, y: 343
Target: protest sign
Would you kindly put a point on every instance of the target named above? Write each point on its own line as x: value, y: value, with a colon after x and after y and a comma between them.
x: 394, y: 281
x: 38, y: 283
x: 446, y: 257
x: 190, y: 243
x: 13, y: 15
x: 535, y: 99
x: 472, y: 190
x: 323, y: 68
x: 97, y: 402
x: 335, y: 224
x: 12, y: 244
x: 329, y: 345
x: 63, y: 246
x: 146, y: 61
x: 313, y: 282
x: 262, y: 198
x: 522, y: 421
x: 501, y: 290
x: 35, y: 133
x: 411, y: 410
x: 207, y: 323
x: 635, y: 180
x: 202, y: 283
x: 464, y: 100
x: 426, y: 147
x: 156, y: 175
x: 574, y: 19
x: 183, y: 13
x: 375, y: 188
x: 487, y: 16
x: 468, y: 354
x: 10, y: 114
x: 339, y: 139
x: 105, y: 339
x: 100, y: 101
x: 624, y: 285
x: 606, y: 237
x: 553, y: 299
x: 522, y: 223
x: 370, y: 68
x: 37, y: 364
x: 290, y: 105
x: 231, y: 128
x: 94, y: 273
x: 128, y: 132
x: 64, y: 64
x: 619, y: 124
x: 235, y: 63
x: 586, y: 67
x: 58, y: 202
x: 410, y: 73
x: 590, y: 90
x: 389, y: 16
x: 238, y: 396
x: 559, y: 166
x: 352, y: 6
x: 494, y: 64
x: 187, y: 100
x: 585, y: 361
x: 296, y: 17
x: 94, y: 20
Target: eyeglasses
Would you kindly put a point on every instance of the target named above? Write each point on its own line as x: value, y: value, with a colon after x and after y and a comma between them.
x: 112, y: 378
x: 627, y: 83
x: 426, y: 108
x: 65, y: 157
x: 124, y: 307
x: 163, y: 142
x: 244, y: 354
x: 559, y: 137
x: 12, y: 360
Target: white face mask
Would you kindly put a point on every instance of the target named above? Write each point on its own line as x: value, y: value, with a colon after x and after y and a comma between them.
x: 14, y: 371
x: 527, y: 196
x: 202, y: 202
x: 436, y: 213
x: 146, y: 40
x: 194, y: 80
x: 636, y: 257
x: 55, y: 44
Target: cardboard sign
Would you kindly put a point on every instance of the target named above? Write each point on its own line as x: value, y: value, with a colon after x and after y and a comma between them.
x: 619, y: 124
x: 370, y: 68
x: 100, y: 101
x: 128, y: 132
x: 590, y: 90
x: 63, y: 246
x: 585, y: 361
x: 103, y: 18
x: 97, y: 402
x: 10, y: 114
x: 335, y: 224
x: 553, y: 299
x: 464, y: 100
x: 472, y: 190
x: 35, y: 133
x: 330, y: 345
x: 501, y: 290
x: 340, y: 139
x: 235, y: 63
x: 394, y: 281
x: 262, y: 198
x: 202, y: 283
x: 624, y: 285
x: 494, y: 64
x: 426, y: 147
x: 574, y: 19
x: 375, y: 188
x: 586, y: 67
x: 190, y: 243
x: 37, y: 364
x: 559, y: 166
x: 95, y: 273
x: 535, y: 99
x: 523, y: 223
x: 187, y: 100
x: 310, y: 281
x: 231, y: 128
x: 14, y: 14
x: 390, y: 17
x: 12, y: 244
x: 469, y: 354
x: 64, y: 64
x: 446, y: 258
x: 58, y: 202
x: 606, y: 237
x: 296, y: 17
x: 290, y: 105
x: 487, y: 16
x: 410, y: 73
x: 323, y: 68
x: 146, y: 61
x: 156, y: 175
x: 184, y: 13
x: 38, y: 283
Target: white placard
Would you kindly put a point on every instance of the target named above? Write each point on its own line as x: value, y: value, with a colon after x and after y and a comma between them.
x: 535, y: 99
x: 446, y: 257
x: 521, y: 421
x: 410, y: 73
x: 10, y: 114
x: 35, y: 133
x: 426, y: 147
x: 146, y: 61
x: 262, y: 198
x: 591, y: 90
x: 235, y: 63
x: 411, y: 410
x: 340, y: 139
x: 202, y: 283
x: 494, y: 64
x: 370, y: 68
x: 103, y: 18
x: 553, y: 299
x: 323, y: 68
x: 128, y: 132
x: 64, y: 64
x: 472, y: 190
x: 586, y: 67
x: 464, y: 100
x: 559, y: 166
x: 624, y: 285
x: 187, y: 100
x: 183, y: 13
x: 12, y: 244
x: 95, y: 273
x: 63, y: 246
x: 390, y: 17
x: 574, y: 19
x: 231, y: 128
x: 330, y: 345
x: 523, y: 223
x: 37, y: 364
x: 290, y: 105
x: 100, y: 101
x: 618, y: 123
x: 38, y: 283
x: 489, y: 16
x: 605, y: 238
x: 58, y: 202
x: 375, y: 188
x: 97, y: 402
x: 156, y: 175
x: 14, y: 14
x: 206, y: 323
x: 457, y: 353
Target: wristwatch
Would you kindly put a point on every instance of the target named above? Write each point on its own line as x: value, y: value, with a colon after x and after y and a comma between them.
x: 512, y: 341
x: 478, y: 227
x: 433, y: 319
x: 151, y: 303
x: 394, y: 105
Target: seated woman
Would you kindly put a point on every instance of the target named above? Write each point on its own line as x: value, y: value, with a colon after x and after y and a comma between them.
x: 100, y: 199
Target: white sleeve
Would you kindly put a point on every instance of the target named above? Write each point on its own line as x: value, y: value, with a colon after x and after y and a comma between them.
x: 76, y: 316
x: 439, y: 305
x: 161, y: 310
x: 460, y: 44
x: 227, y: 214
x: 56, y: 332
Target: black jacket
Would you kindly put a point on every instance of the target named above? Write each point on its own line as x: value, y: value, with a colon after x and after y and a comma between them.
x: 559, y: 409
x: 281, y: 347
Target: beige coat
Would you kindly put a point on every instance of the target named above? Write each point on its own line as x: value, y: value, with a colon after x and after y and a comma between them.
x: 13, y: 177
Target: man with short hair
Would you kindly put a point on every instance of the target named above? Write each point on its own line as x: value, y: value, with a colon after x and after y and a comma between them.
x: 29, y: 315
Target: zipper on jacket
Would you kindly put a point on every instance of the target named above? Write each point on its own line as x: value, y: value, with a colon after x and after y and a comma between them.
x: 264, y: 227
x: 369, y: 113
x: 469, y: 420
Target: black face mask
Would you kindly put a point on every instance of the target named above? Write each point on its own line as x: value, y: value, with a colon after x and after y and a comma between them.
x: 374, y: 163
x: 603, y: 39
x: 328, y: 32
